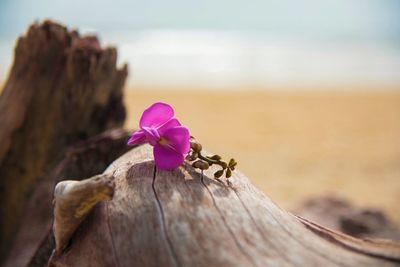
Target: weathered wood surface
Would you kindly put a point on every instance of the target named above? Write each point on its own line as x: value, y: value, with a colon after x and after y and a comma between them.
x: 186, y: 218
x: 62, y: 88
x: 33, y: 241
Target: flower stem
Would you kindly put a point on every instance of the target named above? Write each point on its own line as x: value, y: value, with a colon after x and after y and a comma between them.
x: 204, y: 162
x: 213, y: 161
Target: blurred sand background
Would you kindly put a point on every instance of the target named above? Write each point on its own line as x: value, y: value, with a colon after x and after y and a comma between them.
x: 296, y: 144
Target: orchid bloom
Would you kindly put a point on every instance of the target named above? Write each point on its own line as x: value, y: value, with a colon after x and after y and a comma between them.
x: 162, y: 130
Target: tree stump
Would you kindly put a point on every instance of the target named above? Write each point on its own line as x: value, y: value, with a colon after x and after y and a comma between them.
x: 187, y: 218
x: 62, y: 88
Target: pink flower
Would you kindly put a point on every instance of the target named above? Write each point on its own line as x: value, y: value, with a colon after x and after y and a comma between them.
x: 170, y: 140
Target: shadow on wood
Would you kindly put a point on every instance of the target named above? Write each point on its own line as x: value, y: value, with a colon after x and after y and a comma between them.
x: 185, y: 218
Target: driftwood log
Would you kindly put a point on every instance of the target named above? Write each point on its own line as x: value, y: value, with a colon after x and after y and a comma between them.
x: 62, y: 88
x: 187, y: 218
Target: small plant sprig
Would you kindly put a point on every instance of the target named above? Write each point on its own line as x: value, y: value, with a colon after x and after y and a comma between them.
x: 199, y: 161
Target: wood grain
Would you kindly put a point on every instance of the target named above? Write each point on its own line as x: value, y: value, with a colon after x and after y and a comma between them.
x: 186, y: 218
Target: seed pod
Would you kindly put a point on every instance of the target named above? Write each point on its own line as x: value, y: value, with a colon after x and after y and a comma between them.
x: 196, y: 146
x: 228, y: 173
x: 216, y: 157
x: 202, y: 165
x: 218, y: 174
x: 206, y: 166
x: 196, y: 164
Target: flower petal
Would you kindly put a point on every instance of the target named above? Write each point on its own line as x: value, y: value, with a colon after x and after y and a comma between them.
x: 178, y: 139
x: 152, y: 135
x: 169, y: 124
x: 138, y: 137
x: 156, y: 115
x: 166, y: 158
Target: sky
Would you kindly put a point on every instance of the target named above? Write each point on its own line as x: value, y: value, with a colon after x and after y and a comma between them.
x: 328, y: 18
x: 225, y: 42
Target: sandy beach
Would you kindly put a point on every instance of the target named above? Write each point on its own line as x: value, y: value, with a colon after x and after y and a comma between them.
x: 296, y: 144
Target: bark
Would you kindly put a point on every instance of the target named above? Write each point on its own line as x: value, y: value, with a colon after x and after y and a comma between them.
x: 62, y: 88
x: 187, y: 218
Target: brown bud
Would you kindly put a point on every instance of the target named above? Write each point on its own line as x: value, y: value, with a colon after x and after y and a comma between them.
x: 196, y: 146
x: 218, y: 174
x: 202, y: 165
x: 228, y: 173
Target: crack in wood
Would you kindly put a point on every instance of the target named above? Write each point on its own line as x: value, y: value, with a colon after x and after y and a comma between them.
x: 240, y: 247
x: 162, y: 219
